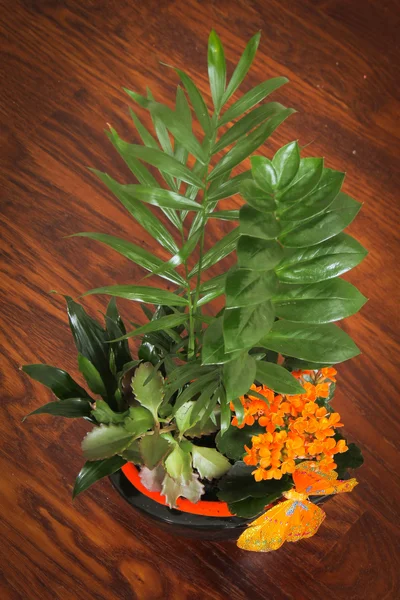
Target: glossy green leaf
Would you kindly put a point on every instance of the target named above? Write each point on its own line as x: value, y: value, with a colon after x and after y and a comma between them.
x: 321, y: 262
x: 199, y: 106
x: 337, y: 217
x: 159, y: 197
x: 210, y: 463
x: 238, y: 376
x: 352, y: 459
x: 201, y: 411
x: 167, y: 322
x: 213, y: 351
x: 245, y: 287
x: 211, y: 289
x: 146, y: 137
x: 249, y: 144
x: 286, y: 163
x: 317, y: 201
x: 136, y: 254
x: 232, y: 442
x: 182, y: 109
x: 257, y: 254
x: 104, y: 441
x: 239, y: 483
x: 239, y: 410
x: 306, y: 179
x: 153, y: 449
x: 71, y: 408
x: 195, y: 387
x: 141, y: 294
x: 244, y: 327
x: 141, y: 213
x: 277, y: 378
x: 93, y: 471
x: 242, y: 67
x: 149, y: 393
x: 246, y: 124
x: 217, y: 252
x: 183, y: 416
x: 60, y: 382
x: 115, y: 328
x: 264, y: 174
x: 225, y: 215
x: 91, y: 375
x: 228, y: 187
x: 250, y: 507
x: 318, y: 303
x: 316, y: 343
x: 255, y: 196
x: 216, y: 69
x: 251, y: 98
x: 258, y: 224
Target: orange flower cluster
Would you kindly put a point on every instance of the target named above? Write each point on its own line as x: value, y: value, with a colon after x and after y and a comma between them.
x: 297, y: 428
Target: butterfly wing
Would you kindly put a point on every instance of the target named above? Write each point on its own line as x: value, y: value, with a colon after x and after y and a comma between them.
x: 288, y: 521
x: 309, y: 479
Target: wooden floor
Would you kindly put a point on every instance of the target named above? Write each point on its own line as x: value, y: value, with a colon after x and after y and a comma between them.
x: 63, y: 64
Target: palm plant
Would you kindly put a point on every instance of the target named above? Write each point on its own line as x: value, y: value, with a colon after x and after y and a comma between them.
x: 170, y: 410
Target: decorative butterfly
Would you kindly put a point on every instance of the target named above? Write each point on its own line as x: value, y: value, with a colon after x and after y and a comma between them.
x: 295, y: 518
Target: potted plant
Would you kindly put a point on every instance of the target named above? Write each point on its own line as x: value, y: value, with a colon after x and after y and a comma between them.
x: 219, y: 417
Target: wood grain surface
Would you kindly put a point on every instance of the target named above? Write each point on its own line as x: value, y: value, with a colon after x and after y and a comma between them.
x: 63, y: 64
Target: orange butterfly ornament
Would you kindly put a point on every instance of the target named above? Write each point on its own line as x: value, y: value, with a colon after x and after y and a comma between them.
x: 295, y: 518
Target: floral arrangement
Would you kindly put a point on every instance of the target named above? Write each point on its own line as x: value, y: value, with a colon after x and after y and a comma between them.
x: 239, y: 396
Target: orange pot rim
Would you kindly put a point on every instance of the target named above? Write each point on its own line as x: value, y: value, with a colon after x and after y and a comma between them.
x: 207, y: 508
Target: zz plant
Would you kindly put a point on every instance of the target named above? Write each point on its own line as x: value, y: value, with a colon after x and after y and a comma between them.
x: 170, y: 410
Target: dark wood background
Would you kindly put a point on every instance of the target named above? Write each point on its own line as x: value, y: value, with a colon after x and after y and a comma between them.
x: 63, y: 64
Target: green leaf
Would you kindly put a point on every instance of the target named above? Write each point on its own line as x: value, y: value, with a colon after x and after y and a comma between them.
x: 217, y: 252
x: 172, y: 490
x: 249, y: 507
x: 232, y: 442
x: 239, y: 410
x: 105, y: 441
x: 228, y: 187
x: 318, y: 303
x: 242, y: 67
x: 115, y: 328
x: 319, y: 263
x: 352, y: 459
x: 183, y: 416
x: 245, y: 287
x: 286, y: 163
x: 209, y: 462
x: 159, y: 197
x: 163, y: 162
x: 305, y: 180
x: 138, y: 421
x: 104, y: 414
x: 337, y: 217
x: 136, y: 254
x: 70, y: 407
x: 246, y: 146
x: 245, y: 326
x: 93, y: 471
x: 251, y: 98
x: 196, y: 387
x: 239, y: 375
x: 265, y: 176
x: 213, y: 351
x: 141, y: 213
x: 132, y: 453
x: 246, y: 124
x: 178, y: 465
x: 216, y: 69
x: 258, y: 224
x: 153, y: 448
x: 277, y: 378
x: 205, y: 403
x: 256, y: 197
x: 316, y: 343
x: 167, y: 322
x: 199, y: 106
x: 140, y: 294
x: 225, y: 215
x: 91, y: 375
x: 239, y: 484
x: 150, y: 394
x: 257, y: 254
x: 317, y: 201
x: 60, y: 382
